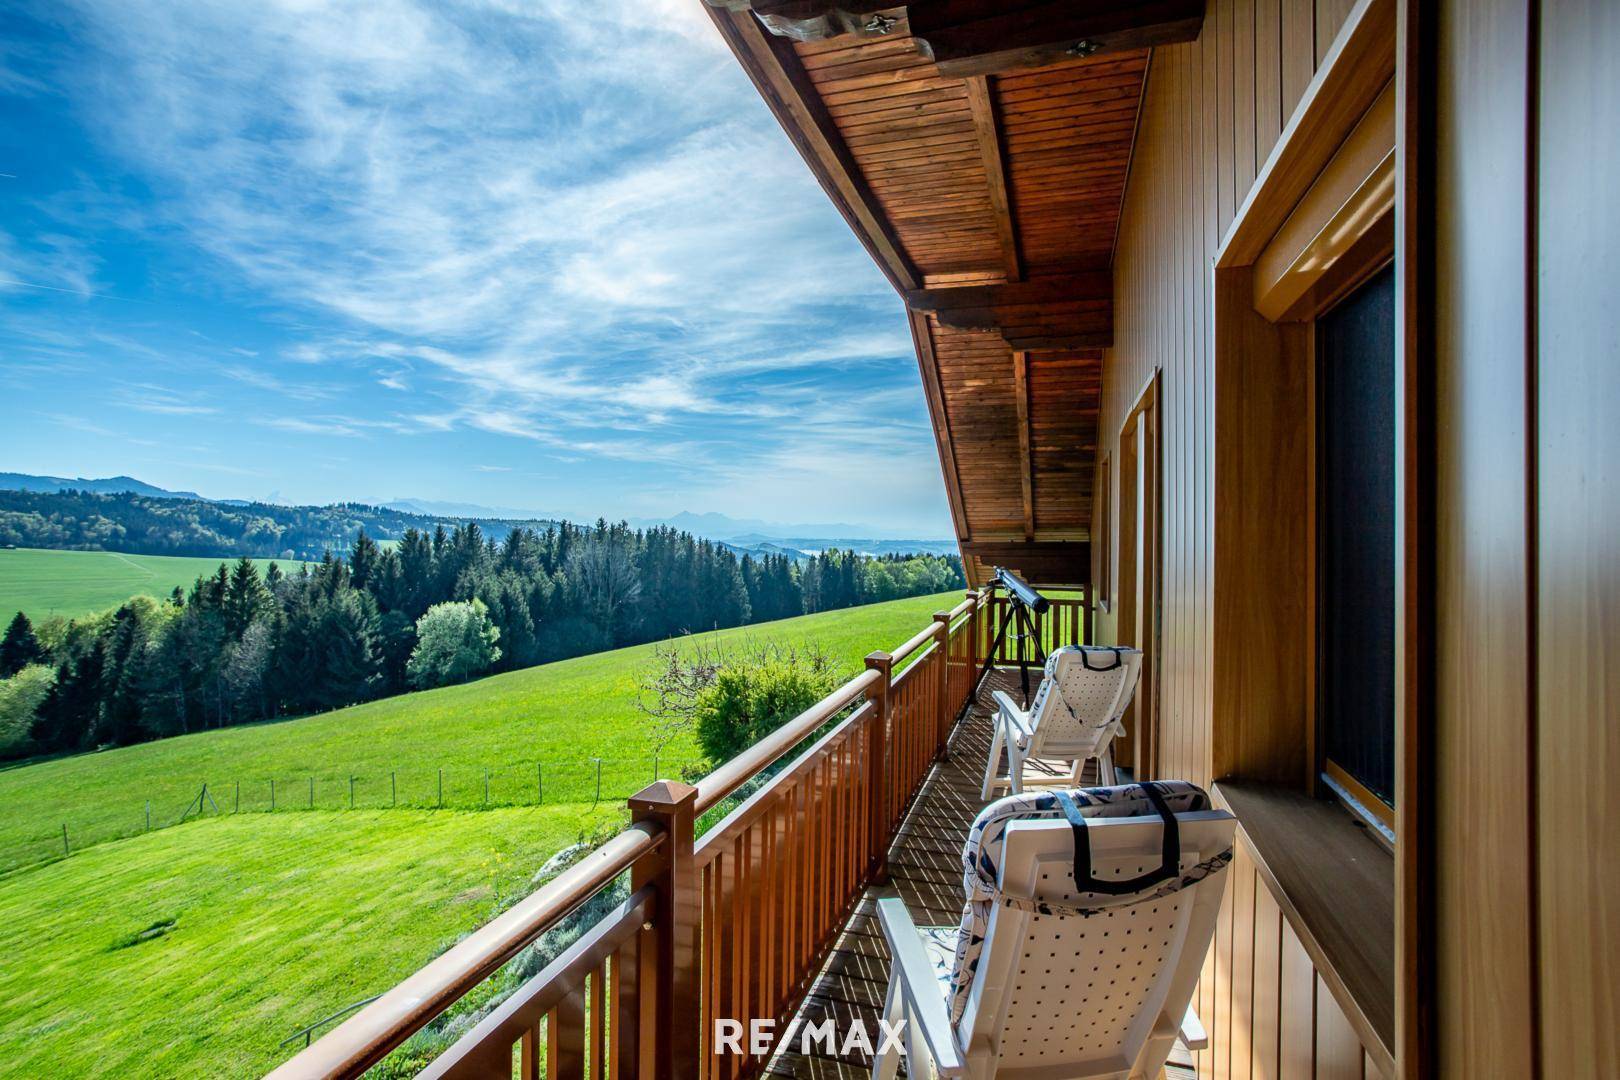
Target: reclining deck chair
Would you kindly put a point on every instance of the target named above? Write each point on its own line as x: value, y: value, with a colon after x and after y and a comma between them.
x: 1088, y: 916
x: 1075, y: 715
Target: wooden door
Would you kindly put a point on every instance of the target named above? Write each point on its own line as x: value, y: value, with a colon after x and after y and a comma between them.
x: 1140, y: 575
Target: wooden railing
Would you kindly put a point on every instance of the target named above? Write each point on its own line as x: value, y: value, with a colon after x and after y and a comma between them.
x: 734, y: 925
x: 1067, y: 621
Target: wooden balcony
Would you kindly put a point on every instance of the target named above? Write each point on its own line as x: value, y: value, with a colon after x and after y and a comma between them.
x: 763, y: 914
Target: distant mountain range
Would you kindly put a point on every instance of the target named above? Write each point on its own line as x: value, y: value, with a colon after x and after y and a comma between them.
x: 743, y: 535
x: 112, y: 485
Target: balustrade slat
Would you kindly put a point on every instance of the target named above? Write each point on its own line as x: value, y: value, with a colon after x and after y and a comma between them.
x: 625, y: 1034
x: 565, y: 1037
x: 529, y: 1054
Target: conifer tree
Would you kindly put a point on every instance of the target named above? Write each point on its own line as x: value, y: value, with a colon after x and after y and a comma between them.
x: 20, y: 647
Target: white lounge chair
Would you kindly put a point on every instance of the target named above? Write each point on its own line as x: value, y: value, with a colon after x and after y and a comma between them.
x: 1075, y: 715
x: 1087, y: 920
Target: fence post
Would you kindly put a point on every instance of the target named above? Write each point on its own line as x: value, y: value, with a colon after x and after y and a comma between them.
x: 65, y: 850
x: 148, y: 815
x: 598, y: 781
x: 351, y: 792
x: 669, y: 960
x: 312, y: 791
x: 539, y: 785
x: 272, y: 794
x: 441, y: 787
x: 942, y: 644
x: 238, y: 807
x: 878, y: 764
x: 393, y: 788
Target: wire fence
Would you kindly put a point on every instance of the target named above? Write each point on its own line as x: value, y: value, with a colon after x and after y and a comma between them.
x: 588, y: 781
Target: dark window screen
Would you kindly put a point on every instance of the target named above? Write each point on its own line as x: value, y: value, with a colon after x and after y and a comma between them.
x: 1356, y: 539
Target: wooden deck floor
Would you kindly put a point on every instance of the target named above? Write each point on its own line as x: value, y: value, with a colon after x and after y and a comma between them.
x: 925, y: 868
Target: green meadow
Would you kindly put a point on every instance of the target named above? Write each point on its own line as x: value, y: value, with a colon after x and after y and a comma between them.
x: 40, y: 583
x: 195, y: 948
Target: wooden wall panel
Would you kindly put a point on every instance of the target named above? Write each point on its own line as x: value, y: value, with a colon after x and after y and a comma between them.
x: 1578, y: 554
x: 1297, y: 1023
x: 1338, y: 1053
x: 1204, y: 131
x: 1482, y: 728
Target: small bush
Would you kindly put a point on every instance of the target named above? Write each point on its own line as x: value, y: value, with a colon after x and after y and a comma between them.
x: 747, y: 701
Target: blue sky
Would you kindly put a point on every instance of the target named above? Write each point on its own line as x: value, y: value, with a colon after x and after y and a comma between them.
x: 530, y: 253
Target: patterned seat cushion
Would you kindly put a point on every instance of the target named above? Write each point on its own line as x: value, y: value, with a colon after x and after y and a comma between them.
x: 981, y: 864
x: 939, y: 942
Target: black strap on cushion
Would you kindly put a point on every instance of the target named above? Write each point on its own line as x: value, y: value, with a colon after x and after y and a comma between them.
x: 1169, y: 866
x: 1085, y: 658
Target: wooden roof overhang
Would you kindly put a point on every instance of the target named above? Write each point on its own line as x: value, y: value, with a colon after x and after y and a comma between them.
x: 979, y: 150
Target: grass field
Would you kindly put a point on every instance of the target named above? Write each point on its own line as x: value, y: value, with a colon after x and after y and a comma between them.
x: 276, y: 923
x: 72, y: 583
x: 282, y: 918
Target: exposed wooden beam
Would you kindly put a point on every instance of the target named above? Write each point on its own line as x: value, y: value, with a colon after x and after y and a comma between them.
x: 1026, y: 463
x: 774, y: 66
x: 922, y: 337
x: 982, y: 37
x: 983, y: 107
x: 1084, y: 285
x: 1042, y: 563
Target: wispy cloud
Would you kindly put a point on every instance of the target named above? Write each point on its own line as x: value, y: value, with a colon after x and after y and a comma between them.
x: 580, y: 231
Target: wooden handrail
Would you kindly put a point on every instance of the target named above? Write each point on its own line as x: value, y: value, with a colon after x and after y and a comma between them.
x: 365, y: 1038
x: 482, y: 1051
x: 922, y: 638
x: 757, y: 758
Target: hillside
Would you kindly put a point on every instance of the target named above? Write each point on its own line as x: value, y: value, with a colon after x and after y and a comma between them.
x: 559, y: 716
x: 12, y: 481
x: 258, y: 926
x: 175, y: 525
x: 73, y: 583
x: 194, y: 950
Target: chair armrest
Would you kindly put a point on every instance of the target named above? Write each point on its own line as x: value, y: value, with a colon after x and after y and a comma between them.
x: 1193, y: 1035
x: 1007, y: 708
x: 927, y: 1008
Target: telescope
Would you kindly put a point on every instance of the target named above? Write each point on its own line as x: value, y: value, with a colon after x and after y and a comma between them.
x: 1020, y: 591
x: 1024, y: 605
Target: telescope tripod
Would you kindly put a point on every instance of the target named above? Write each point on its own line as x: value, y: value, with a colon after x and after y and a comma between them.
x: 1026, y: 632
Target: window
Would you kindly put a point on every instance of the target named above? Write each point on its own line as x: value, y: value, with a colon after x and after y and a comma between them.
x: 1355, y: 548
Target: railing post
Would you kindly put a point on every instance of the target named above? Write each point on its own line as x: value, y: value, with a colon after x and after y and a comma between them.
x: 671, y: 1014
x: 1090, y: 631
x: 942, y: 642
x: 973, y: 641
x: 878, y: 778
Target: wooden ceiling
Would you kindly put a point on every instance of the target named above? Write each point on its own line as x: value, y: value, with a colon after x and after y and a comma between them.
x: 979, y: 149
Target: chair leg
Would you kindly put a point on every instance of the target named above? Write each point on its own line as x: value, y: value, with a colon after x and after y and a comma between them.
x: 1105, y: 768
x: 996, y: 742
x: 1015, y: 768
x: 886, y: 1065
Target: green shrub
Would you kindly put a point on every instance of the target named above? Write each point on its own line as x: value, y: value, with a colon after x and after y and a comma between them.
x: 749, y: 699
